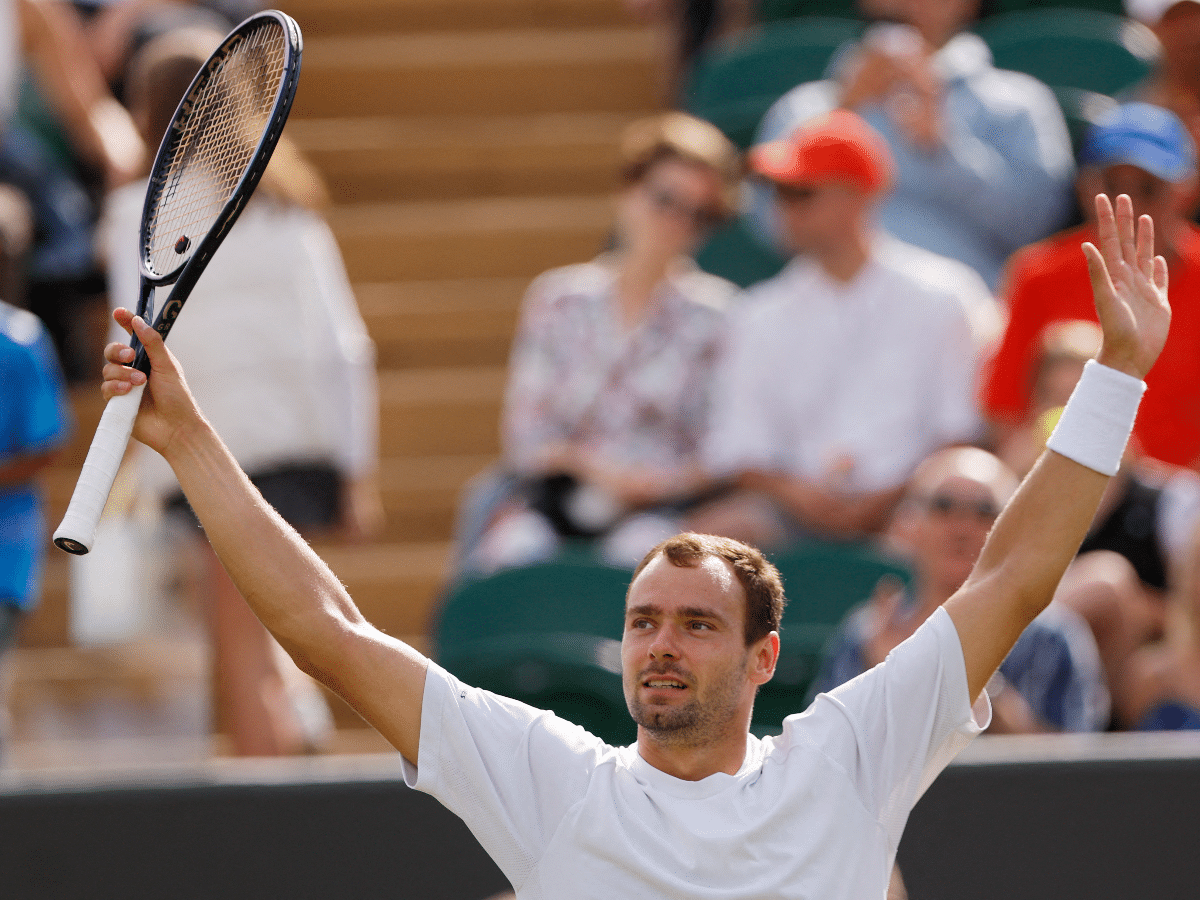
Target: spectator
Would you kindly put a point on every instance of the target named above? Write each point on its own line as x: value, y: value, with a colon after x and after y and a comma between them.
x: 287, y: 372
x: 1144, y: 151
x: 983, y: 156
x: 1164, y: 678
x: 611, y: 367
x: 1050, y: 681
x: 1175, y: 81
x: 115, y: 30
x: 60, y: 159
x: 1142, y: 529
x: 684, y: 28
x: 849, y: 367
x: 34, y: 422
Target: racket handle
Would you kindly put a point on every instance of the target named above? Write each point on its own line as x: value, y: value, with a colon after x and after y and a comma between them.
x: 77, y: 532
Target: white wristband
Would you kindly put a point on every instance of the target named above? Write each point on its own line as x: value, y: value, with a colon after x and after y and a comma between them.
x: 1096, y: 423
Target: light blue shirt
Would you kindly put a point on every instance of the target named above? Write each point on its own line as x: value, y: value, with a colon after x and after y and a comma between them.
x: 1002, y: 178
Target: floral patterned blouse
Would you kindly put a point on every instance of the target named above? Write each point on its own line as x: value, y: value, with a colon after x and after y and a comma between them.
x: 631, y: 397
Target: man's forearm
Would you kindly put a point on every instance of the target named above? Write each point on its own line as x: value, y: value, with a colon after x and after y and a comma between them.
x: 287, y: 585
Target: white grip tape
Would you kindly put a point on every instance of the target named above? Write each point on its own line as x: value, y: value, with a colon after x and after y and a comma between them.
x: 78, y: 529
x: 1098, y: 419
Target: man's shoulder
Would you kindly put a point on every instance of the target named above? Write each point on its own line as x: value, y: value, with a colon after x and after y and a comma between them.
x: 1054, y: 257
x: 1189, y: 247
x: 21, y: 332
x: 704, y: 293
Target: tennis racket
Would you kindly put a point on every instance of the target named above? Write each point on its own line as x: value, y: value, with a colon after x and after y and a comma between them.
x: 210, y: 160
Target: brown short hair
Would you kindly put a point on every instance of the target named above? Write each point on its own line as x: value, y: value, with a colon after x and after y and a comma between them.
x: 758, y: 577
x: 677, y: 135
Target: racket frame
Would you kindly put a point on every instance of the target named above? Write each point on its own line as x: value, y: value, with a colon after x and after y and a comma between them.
x: 77, y: 532
x: 184, y: 276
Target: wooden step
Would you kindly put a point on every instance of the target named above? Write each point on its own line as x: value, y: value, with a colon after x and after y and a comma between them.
x: 397, y: 585
x: 495, y: 237
x: 455, y: 322
x: 517, y: 72
x: 321, y: 17
x: 435, y: 412
x: 421, y: 494
x: 447, y: 157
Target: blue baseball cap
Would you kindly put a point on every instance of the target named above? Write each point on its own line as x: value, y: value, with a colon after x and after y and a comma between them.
x: 1142, y: 135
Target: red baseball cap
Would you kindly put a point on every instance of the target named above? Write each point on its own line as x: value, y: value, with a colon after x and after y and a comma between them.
x: 837, y: 146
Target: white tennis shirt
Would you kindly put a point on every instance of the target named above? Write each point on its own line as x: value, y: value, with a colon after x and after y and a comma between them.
x: 816, y: 812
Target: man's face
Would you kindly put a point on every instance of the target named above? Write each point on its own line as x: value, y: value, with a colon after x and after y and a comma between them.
x: 688, y: 674
x: 1160, y: 200
x: 819, y: 217
x: 937, y: 20
x: 954, y: 514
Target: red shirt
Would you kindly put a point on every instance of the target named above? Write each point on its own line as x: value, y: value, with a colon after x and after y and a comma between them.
x: 1048, y: 282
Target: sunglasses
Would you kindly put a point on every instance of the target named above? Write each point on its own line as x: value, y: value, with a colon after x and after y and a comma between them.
x: 945, y: 505
x: 793, y: 193
x: 666, y: 200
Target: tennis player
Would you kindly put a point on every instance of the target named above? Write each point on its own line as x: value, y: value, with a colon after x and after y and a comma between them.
x: 697, y: 807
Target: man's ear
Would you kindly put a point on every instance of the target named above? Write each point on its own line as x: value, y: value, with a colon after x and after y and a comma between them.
x: 764, y: 658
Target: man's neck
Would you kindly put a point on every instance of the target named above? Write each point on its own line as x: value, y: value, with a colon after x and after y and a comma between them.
x: 844, y: 261
x: 694, y: 760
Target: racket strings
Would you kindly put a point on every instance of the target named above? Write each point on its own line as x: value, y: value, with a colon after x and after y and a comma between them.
x: 215, y: 141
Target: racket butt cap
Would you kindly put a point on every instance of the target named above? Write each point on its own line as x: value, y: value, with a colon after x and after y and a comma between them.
x: 70, y: 545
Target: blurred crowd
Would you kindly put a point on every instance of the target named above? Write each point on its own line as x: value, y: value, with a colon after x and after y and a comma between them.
x: 87, y: 90
x: 888, y: 387
x: 891, y: 384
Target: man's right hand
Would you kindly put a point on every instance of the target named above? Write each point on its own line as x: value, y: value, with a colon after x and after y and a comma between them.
x: 167, y: 406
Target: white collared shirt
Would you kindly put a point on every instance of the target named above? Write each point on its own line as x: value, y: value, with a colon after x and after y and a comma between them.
x: 864, y: 378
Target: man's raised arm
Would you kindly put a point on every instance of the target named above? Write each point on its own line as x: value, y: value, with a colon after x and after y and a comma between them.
x: 1040, y: 530
x: 287, y: 585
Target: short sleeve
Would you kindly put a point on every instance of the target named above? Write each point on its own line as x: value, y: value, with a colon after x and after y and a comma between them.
x: 38, y: 417
x: 510, y: 771
x: 894, y: 728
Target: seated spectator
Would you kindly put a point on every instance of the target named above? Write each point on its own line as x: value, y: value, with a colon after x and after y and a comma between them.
x: 611, y: 367
x: 1175, y: 81
x: 1163, y: 679
x: 61, y: 146
x: 1050, y: 681
x: 848, y: 368
x: 1141, y: 532
x: 983, y: 156
x: 298, y: 404
x: 1143, y: 151
x: 683, y: 29
x: 35, y: 420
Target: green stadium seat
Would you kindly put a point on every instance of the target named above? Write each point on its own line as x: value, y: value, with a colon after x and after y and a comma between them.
x: 1075, y: 48
x: 1081, y: 109
x: 774, y: 10
x: 823, y: 581
x: 549, y: 634
x: 734, y: 253
x: 999, y: 7
x: 735, y: 82
x: 571, y: 593
x: 578, y: 676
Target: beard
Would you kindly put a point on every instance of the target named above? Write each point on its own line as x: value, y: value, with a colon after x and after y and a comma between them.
x: 700, y: 718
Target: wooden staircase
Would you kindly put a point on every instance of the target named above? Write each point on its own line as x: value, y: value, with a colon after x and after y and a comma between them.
x: 469, y: 145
